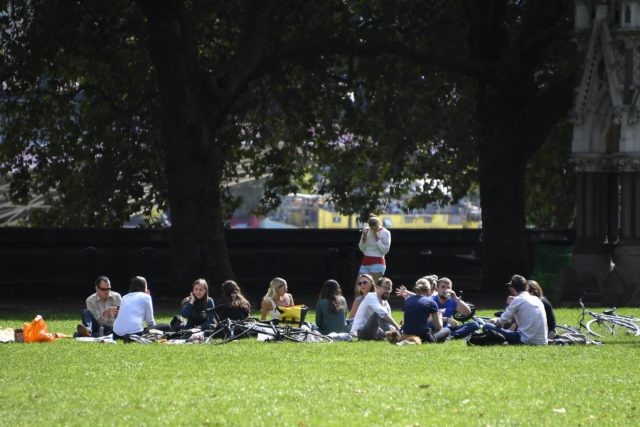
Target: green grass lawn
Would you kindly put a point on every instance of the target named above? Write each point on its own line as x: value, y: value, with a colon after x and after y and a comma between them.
x: 338, y: 384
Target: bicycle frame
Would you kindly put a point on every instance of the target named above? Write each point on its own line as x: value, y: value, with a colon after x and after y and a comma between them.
x: 606, y: 323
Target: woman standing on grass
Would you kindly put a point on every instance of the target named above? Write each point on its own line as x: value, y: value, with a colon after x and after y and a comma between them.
x: 275, y: 297
x: 198, y: 307
x: 331, y: 309
x: 233, y: 304
x: 374, y: 244
x: 364, y: 285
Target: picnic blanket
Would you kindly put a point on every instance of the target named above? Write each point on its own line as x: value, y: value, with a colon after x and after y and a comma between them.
x: 571, y: 338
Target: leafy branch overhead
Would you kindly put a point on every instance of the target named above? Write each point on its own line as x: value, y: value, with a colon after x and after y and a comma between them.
x: 110, y: 108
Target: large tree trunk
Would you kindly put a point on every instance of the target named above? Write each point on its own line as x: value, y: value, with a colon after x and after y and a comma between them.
x: 502, y: 145
x: 502, y: 164
x: 514, y: 117
x: 190, y: 117
x: 197, y: 234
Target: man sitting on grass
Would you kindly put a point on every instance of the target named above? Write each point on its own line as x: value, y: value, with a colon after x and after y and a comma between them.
x: 373, y: 317
x: 449, y: 303
x: 527, y: 311
x: 102, y: 309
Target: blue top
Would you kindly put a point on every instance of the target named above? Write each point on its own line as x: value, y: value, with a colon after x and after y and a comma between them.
x: 196, y: 314
x: 449, y: 306
x: 417, y: 309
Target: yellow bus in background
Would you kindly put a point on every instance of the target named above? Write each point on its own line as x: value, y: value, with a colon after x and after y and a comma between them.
x: 311, y: 211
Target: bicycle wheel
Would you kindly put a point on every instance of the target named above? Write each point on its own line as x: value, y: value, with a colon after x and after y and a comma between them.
x: 600, y: 327
x: 625, y: 326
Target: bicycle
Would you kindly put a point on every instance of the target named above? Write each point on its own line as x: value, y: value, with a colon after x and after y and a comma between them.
x: 607, y: 323
x: 562, y: 329
x: 231, y: 330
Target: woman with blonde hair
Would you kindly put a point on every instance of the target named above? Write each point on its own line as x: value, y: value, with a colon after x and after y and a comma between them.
x: 198, y: 307
x: 275, y: 297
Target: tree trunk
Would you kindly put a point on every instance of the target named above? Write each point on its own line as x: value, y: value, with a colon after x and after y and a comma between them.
x: 502, y: 178
x: 503, y: 143
x: 197, y: 233
x: 190, y: 120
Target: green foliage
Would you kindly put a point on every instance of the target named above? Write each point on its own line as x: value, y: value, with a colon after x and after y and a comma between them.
x: 549, y: 261
x: 253, y: 383
x: 367, y: 98
x: 550, y: 186
x: 79, y: 118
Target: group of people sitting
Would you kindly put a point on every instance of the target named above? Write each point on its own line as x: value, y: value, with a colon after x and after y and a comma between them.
x: 107, y: 312
x: 430, y: 310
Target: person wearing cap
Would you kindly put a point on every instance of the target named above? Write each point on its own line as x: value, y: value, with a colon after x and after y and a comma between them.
x: 527, y: 311
x: 374, y: 243
x: 101, y: 311
x: 373, y: 317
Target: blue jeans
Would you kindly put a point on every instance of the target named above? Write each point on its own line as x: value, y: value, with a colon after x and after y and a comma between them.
x: 512, y: 337
x: 464, y: 329
x: 90, y: 322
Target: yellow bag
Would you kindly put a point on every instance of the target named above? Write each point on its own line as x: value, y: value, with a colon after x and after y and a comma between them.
x: 294, y: 314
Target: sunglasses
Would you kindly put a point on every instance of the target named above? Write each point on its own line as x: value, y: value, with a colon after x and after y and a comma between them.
x: 363, y: 283
x: 104, y: 289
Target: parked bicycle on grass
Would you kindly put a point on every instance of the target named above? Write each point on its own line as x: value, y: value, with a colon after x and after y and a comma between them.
x: 608, y: 323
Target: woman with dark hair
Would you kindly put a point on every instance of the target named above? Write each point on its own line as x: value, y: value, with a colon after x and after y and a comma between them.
x: 331, y: 309
x: 135, y: 308
x: 233, y: 304
x: 197, y: 308
x: 536, y: 290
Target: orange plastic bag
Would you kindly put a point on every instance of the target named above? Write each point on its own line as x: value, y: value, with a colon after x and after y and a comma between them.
x: 36, y: 331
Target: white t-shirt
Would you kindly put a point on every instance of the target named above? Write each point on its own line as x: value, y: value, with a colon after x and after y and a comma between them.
x: 528, y: 312
x: 369, y: 305
x: 135, y: 308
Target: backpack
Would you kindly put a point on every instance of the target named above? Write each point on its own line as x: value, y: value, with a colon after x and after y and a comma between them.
x: 486, y: 337
x: 294, y: 314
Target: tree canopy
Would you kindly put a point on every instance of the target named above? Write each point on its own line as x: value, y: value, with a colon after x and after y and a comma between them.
x: 110, y: 108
